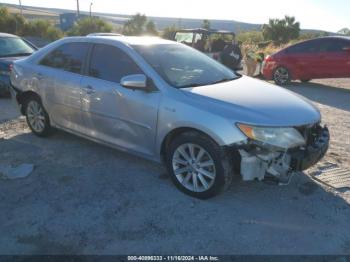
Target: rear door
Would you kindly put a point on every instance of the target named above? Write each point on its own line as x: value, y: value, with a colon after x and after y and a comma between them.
x: 64, y: 66
x: 119, y: 116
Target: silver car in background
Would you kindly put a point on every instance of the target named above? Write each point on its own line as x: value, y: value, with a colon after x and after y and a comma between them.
x: 170, y: 103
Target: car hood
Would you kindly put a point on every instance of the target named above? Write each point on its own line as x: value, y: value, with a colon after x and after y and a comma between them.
x: 256, y: 102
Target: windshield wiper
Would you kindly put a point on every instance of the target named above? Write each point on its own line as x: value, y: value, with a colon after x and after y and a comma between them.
x: 18, y: 54
x: 191, y: 85
x: 222, y: 81
x: 208, y: 84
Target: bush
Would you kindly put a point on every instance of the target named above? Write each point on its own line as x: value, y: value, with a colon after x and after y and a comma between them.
x: 168, y: 32
x: 139, y: 25
x: 16, y: 24
x: 89, y: 25
x: 251, y: 37
x: 43, y: 29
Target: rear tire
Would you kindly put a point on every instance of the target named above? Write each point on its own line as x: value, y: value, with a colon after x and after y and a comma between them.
x: 37, y: 118
x: 198, y: 166
x: 281, y: 76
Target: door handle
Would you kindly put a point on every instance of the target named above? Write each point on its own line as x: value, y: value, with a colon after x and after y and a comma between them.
x: 89, y: 89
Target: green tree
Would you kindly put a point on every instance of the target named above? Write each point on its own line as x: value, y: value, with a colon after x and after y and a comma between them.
x: 138, y: 25
x: 90, y: 25
x: 151, y: 28
x: 344, y: 31
x: 206, y: 24
x: 168, y: 32
x: 281, y: 30
x: 11, y: 23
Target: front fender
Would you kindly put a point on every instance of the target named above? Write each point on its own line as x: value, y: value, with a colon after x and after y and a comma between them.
x: 180, y: 115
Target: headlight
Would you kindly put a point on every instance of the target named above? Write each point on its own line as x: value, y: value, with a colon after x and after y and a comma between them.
x: 283, y: 137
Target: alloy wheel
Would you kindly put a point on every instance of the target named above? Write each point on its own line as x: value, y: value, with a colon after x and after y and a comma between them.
x: 36, y: 116
x: 281, y: 75
x: 193, y: 167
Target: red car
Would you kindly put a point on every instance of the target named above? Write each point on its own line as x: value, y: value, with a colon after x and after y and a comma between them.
x: 326, y: 57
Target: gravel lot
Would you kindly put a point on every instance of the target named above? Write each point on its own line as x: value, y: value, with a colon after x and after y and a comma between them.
x: 84, y: 198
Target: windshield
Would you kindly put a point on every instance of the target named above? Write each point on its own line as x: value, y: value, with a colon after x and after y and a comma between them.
x: 182, y: 66
x: 14, y: 46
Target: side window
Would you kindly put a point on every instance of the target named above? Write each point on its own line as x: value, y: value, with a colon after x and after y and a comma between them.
x: 295, y: 49
x: 183, y: 37
x: 305, y: 47
x: 335, y: 45
x: 111, y: 64
x: 68, y: 57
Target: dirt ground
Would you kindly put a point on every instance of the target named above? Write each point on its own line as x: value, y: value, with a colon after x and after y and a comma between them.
x: 84, y: 198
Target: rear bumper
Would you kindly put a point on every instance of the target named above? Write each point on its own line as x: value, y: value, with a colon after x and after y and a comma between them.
x: 305, y: 157
x: 14, y: 93
x: 4, y: 84
x: 267, y: 70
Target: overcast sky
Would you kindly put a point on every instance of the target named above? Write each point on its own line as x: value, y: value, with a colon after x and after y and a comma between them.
x: 330, y: 15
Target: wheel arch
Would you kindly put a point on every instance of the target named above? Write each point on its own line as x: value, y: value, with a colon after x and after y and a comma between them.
x: 176, y: 132
x: 22, y: 97
x: 289, y: 68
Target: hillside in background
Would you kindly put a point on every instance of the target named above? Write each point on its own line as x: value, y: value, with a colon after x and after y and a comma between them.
x: 161, y: 22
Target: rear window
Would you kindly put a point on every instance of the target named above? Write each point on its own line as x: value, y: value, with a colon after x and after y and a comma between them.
x: 68, y: 57
x: 14, y: 46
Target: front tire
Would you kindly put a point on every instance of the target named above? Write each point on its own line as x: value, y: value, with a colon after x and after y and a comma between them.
x: 305, y: 80
x: 281, y: 76
x: 198, y: 166
x: 37, y: 118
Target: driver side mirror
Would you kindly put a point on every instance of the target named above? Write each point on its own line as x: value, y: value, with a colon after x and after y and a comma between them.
x: 137, y: 81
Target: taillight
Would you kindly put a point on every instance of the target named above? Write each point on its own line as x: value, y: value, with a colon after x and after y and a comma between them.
x: 10, y: 67
x: 269, y: 58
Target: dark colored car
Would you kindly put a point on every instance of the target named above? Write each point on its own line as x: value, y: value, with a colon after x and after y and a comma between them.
x: 11, y: 48
x: 214, y: 43
x: 326, y: 57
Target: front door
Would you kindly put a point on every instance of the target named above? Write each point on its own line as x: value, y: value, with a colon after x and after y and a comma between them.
x: 111, y: 113
x: 336, y: 57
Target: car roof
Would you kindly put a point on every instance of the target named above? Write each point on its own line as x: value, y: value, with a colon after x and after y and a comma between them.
x: 336, y: 37
x: 104, y: 34
x: 326, y: 37
x: 205, y: 31
x: 319, y: 38
x: 7, y: 35
x: 134, y: 40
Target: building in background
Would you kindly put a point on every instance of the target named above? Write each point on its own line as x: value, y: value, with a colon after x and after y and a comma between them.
x: 67, y: 20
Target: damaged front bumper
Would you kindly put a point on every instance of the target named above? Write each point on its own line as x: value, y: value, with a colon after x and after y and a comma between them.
x: 261, y: 162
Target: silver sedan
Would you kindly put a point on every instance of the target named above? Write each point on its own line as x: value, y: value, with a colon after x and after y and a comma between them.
x: 170, y: 103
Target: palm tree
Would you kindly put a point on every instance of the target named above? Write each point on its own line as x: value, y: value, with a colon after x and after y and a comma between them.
x: 281, y: 30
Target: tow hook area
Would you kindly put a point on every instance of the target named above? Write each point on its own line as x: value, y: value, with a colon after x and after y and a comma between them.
x: 272, y: 168
x: 278, y: 181
x: 278, y: 166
